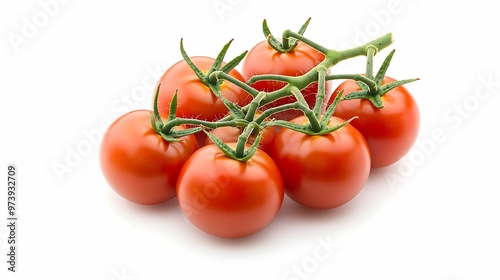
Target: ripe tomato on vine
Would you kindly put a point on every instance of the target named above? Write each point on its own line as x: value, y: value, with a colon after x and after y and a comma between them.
x: 229, y: 198
x: 322, y: 171
x: 231, y: 145
x: 138, y: 163
x: 387, y: 115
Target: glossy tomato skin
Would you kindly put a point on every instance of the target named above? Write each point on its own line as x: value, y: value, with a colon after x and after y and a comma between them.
x: 195, y: 99
x: 231, y: 134
x: 390, y: 131
x: 227, y: 198
x: 322, y: 172
x: 139, y: 164
x: 262, y: 59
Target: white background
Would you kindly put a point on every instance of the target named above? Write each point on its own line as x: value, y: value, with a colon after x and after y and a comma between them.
x: 70, y: 67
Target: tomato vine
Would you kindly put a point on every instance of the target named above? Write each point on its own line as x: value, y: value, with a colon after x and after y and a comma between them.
x: 245, y: 116
x: 321, y: 158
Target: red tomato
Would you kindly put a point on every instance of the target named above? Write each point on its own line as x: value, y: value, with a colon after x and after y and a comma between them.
x: 138, y: 163
x: 390, y: 131
x: 195, y: 99
x: 262, y: 59
x: 325, y: 171
x: 228, y: 198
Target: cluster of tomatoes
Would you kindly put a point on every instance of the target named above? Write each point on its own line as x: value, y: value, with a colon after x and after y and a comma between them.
x: 229, y: 144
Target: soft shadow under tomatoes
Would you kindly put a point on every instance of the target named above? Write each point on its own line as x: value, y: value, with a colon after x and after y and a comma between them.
x: 390, y: 131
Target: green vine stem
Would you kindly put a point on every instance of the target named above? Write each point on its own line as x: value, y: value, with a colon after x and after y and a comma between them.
x: 253, y: 123
x: 287, y: 44
x: 214, y: 85
x: 220, y: 75
x: 167, y: 128
x: 239, y: 153
x: 355, y: 77
x: 331, y: 109
x: 170, y: 135
x: 313, y: 119
x: 287, y: 34
x: 317, y: 126
x: 321, y: 94
x: 170, y: 125
x: 370, y: 53
x: 376, y: 91
x: 296, y: 83
x: 268, y: 77
x: 254, y: 105
x: 243, y: 139
x: 332, y: 58
x: 269, y: 112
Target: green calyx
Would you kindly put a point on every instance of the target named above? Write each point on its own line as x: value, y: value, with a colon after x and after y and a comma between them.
x: 206, y: 77
x: 249, y: 127
x: 166, y: 129
x: 371, y: 87
x: 252, y: 119
x: 240, y: 153
x: 318, y: 124
x: 287, y: 44
x: 332, y: 57
x: 161, y: 128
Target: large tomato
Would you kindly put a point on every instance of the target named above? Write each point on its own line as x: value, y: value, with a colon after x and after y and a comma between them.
x: 262, y: 59
x: 228, y: 198
x: 194, y: 98
x: 390, y: 131
x: 138, y: 163
x: 324, y: 171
